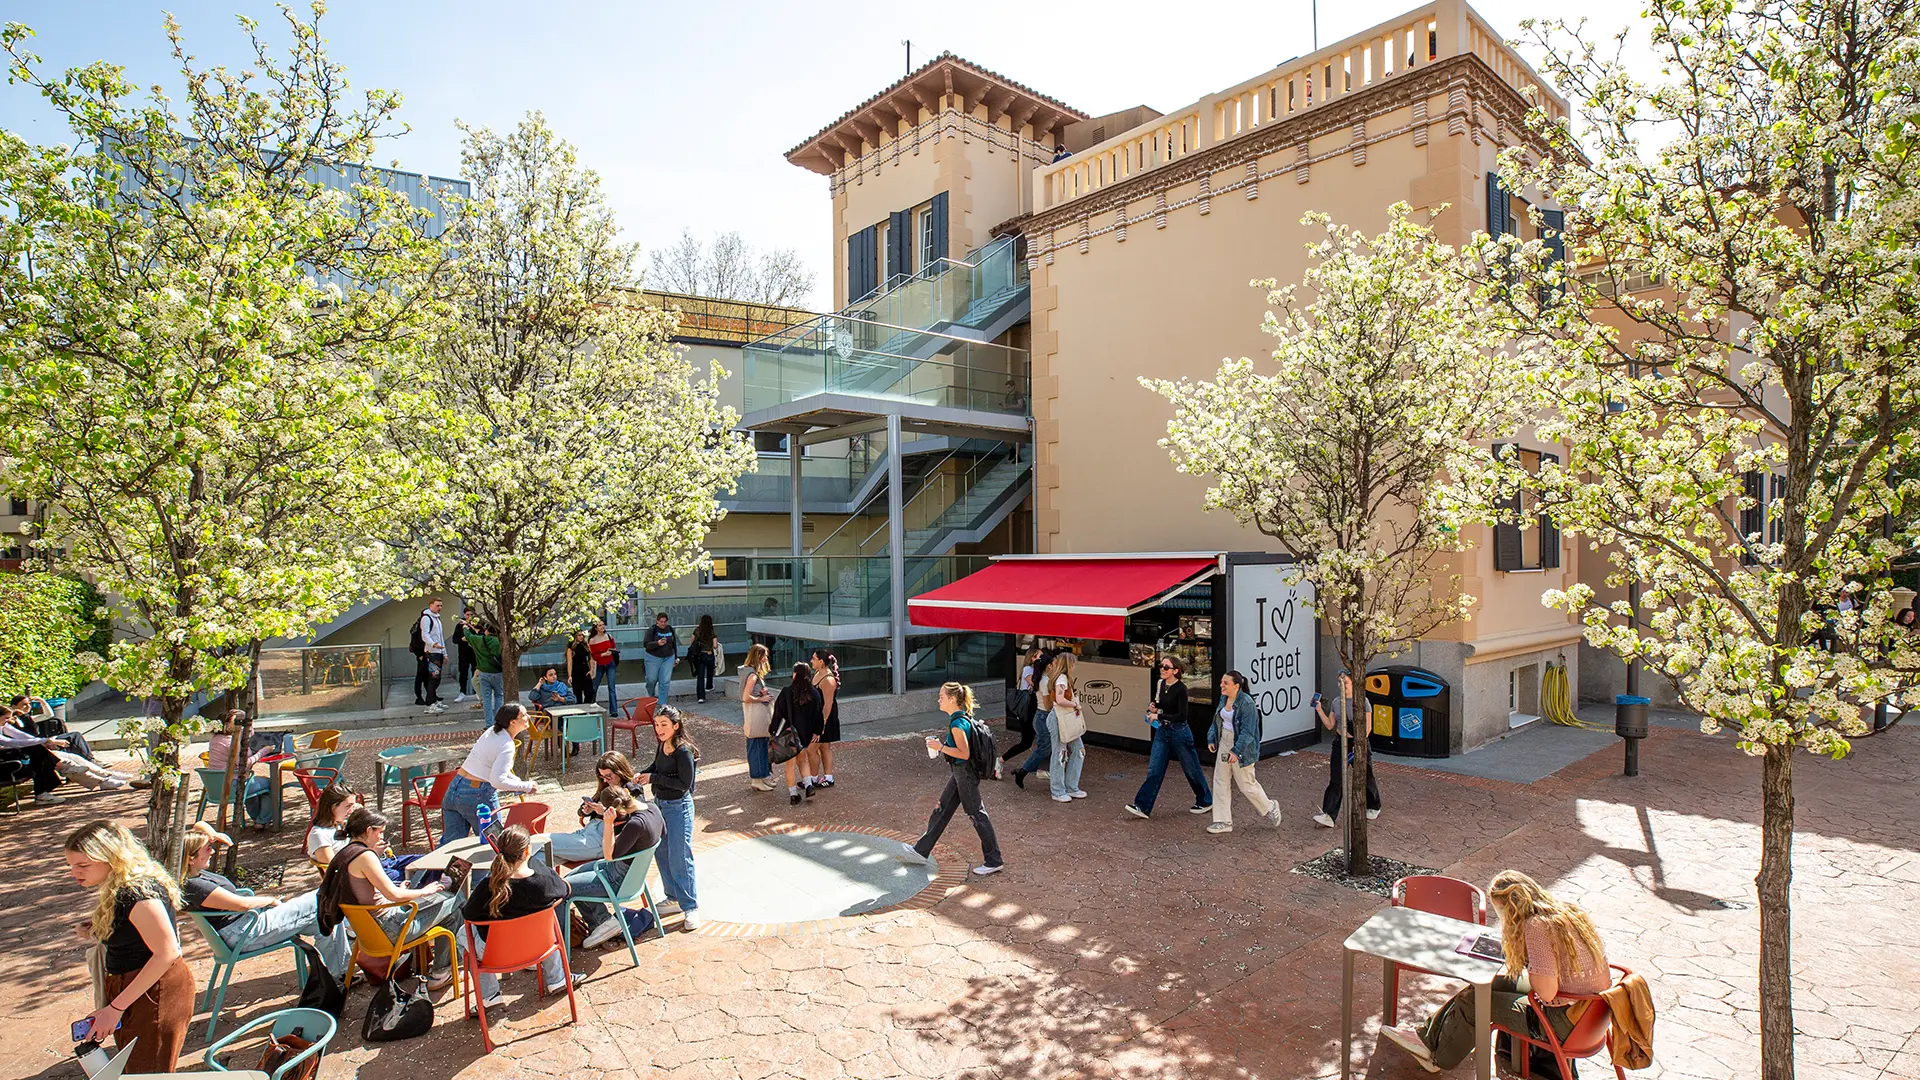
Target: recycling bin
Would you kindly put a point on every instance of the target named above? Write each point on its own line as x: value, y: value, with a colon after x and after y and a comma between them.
x: 1411, y: 712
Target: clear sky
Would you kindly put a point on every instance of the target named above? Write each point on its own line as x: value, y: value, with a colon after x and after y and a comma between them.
x: 686, y: 109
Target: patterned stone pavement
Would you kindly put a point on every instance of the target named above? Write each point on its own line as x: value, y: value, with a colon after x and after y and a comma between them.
x: 1116, y: 948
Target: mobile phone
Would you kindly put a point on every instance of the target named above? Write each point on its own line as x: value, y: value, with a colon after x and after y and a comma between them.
x: 1316, y: 701
x: 81, y: 1027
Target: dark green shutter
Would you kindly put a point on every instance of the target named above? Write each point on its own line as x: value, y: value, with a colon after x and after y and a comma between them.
x: 861, y: 278
x: 1752, y: 518
x: 899, y: 245
x: 1506, y: 530
x: 1499, y: 208
x: 940, y: 227
x: 1555, y: 223
x: 1549, y: 532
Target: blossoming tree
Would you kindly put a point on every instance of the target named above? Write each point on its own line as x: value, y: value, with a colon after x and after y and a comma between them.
x: 589, y: 455
x: 1382, y: 385
x: 203, y: 413
x: 1735, y: 376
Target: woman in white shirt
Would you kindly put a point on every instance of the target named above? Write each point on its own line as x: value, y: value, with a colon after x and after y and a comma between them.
x: 1069, y: 755
x: 487, y: 771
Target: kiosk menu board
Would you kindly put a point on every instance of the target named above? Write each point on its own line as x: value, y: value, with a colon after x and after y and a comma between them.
x: 1274, y: 643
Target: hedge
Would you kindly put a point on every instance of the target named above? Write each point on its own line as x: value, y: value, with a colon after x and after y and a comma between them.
x: 45, y: 620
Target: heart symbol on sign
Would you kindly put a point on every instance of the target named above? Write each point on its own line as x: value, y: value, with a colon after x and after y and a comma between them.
x: 1281, y: 617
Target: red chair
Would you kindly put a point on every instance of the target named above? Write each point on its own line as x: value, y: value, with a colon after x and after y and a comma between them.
x: 513, y: 945
x: 428, y: 793
x: 531, y: 816
x: 314, y: 781
x: 1436, y: 895
x: 639, y: 715
x: 1588, y: 1037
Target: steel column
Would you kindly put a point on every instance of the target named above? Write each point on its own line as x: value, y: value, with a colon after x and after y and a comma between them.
x: 897, y: 555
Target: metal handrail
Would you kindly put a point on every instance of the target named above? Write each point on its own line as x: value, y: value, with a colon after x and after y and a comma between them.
x: 964, y: 482
x: 924, y: 488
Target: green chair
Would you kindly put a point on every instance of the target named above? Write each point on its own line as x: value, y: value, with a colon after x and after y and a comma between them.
x: 632, y: 887
x: 396, y: 776
x: 213, y: 790
x: 337, y: 761
x: 580, y: 728
x: 310, y: 1024
x: 226, y: 958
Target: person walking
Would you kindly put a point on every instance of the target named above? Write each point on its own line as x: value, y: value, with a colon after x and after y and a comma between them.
x: 955, y: 744
x: 1069, y: 754
x: 1022, y: 706
x: 704, y: 656
x: 1234, y: 736
x: 148, y: 989
x: 464, y: 653
x: 671, y: 776
x: 798, y: 709
x: 487, y: 771
x: 605, y: 654
x: 756, y: 714
x: 488, y: 676
x: 1340, y: 756
x: 1042, y: 722
x: 580, y: 667
x: 1172, y: 737
x: 431, y: 652
x: 662, y: 648
x: 826, y: 679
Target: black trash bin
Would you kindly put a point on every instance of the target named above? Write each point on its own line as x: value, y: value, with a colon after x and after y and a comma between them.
x: 1411, y: 712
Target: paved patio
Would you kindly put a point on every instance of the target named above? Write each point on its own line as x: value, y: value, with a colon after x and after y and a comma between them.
x: 1118, y: 948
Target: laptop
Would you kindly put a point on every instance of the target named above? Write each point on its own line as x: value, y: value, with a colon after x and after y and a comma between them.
x: 113, y: 1069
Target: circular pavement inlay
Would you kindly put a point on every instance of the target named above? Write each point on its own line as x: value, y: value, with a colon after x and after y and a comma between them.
x: 798, y: 877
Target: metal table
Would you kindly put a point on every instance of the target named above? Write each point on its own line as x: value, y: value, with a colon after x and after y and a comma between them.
x: 560, y: 714
x: 475, y: 850
x: 1423, y: 940
x: 439, y: 758
x: 276, y: 766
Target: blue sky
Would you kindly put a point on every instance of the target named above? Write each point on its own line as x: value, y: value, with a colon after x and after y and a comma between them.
x: 686, y: 109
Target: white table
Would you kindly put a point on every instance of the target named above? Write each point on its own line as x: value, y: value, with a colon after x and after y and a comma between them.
x: 560, y: 713
x: 475, y: 850
x: 441, y: 758
x: 1423, y: 940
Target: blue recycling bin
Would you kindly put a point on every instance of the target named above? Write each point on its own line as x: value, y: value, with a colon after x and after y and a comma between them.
x: 1410, y: 712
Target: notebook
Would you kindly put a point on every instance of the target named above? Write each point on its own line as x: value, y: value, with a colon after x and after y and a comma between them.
x: 1482, y: 946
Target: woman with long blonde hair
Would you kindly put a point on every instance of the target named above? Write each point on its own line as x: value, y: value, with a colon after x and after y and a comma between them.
x: 1552, y: 949
x: 963, y: 781
x: 516, y: 886
x: 149, y: 990
x: 756, y: 709
x: 1069, y: 755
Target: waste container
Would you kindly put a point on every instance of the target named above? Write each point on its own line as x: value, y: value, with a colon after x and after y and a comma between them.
x: 1411, y: 710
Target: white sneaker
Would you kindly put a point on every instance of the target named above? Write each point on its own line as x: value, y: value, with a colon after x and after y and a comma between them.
x: 1372, y: 814
x: 561, y: 987
x: 603, y: 933
x: 666, y: 907
x: 984, y: 871
x: 1136, y: 811
x: 458, y: 698
x: 1410, y: 1042
x: 690, y: 920
x: 1324, y: 821
x: 1220, y: 827
x: 49, y: 798
x: 1063, y: 798
x: 1273, y: 818
x: 498, y: 999
x: 1076, y: 793
x: 913, y: 858
x: 1041, y: 773
x: 437, y: 707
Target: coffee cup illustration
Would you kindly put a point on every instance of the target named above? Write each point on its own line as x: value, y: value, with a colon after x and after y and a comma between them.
x: 1100, y: 695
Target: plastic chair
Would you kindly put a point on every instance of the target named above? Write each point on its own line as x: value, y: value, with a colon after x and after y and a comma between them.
x: 314, y: 781
x: 1588, y: 1037
x: 324, y: 739
x: 531, y: 816
x: 397, y: 776
x: 639, y: 715
x: 337, y: 761
x: 1437, y: 895
x: 580, y: 728
x: 370, y: 940
x: 514, y: 945
x: 428, y: 793
x: 226, y: 958
x: 18, y: 775
x: 539, y: 731
x: 213, y: 790
x: 310, y: 1024
x: 632, y: 887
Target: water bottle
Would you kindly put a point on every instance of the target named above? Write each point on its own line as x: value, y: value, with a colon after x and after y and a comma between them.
x: 484, y: 815
x: 92, y: 1058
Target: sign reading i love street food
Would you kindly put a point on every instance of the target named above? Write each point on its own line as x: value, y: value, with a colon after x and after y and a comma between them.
x: 1275, y: 644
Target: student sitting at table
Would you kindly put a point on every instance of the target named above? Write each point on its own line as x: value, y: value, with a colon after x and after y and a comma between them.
x: 355, y: 876
x: 220, y: 753
x: 216, y: 897
x: 1552, y: 949
x: 629, y: 826
x: 517, y: 885
x: 583, y: 845
x: 337, y: 804
x: 550, y: 691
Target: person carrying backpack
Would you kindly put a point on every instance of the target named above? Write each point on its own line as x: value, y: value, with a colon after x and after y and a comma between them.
x: 964, y: 744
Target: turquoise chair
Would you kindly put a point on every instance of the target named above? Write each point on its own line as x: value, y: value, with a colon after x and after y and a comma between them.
x: 226, y: 958
x: 310, y: 1024
x: 632, y: 887
x: 337, y: 761
x: 396, y: 776
x: 213, y: 790
x: 580, y: 728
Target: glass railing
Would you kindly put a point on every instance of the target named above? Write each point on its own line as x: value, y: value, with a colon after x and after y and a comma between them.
x: 949, y: 291
x: 319, y: 679
x: 823, y: 479
x: 853, y: 356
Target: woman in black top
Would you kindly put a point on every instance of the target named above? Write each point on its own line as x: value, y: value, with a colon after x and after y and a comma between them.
x: 703, y: 655
x: 1172, y: 737
x: 148, y: 987
x: 671, y: 777
x: 627, y: 825
x: 826, y: 679
x: 580, y: 667
x: 798, y: 707
x: 516, y: 886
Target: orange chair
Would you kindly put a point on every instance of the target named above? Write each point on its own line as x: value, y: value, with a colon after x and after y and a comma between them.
x: 1588, y: 1037
x: 324, y: 739
x: 639, y: 715
x: 1436, y: 895
x: 531, y: 816
x: 428, y: 793
x: 371, y: 942
x: 513, y: 945
x: 314, y: 781
x: 540, y: 729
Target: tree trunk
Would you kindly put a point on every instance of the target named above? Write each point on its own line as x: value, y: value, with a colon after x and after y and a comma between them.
x: 1353, y: 801
x: 242, y: 753
x: 1776, y: 914
x: 509, y: 646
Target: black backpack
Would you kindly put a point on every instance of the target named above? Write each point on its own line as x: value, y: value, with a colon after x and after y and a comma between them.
x: 416, y: 644
x: 401, y: 1007
x: 982, y: 754
x: 322, y: 991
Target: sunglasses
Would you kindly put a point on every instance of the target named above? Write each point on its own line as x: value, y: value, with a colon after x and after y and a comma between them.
x: 1166, y: 667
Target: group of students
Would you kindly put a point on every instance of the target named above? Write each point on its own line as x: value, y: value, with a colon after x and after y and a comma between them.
x: 145, y: 990
x: 804, y: 717
x: 35, y: 745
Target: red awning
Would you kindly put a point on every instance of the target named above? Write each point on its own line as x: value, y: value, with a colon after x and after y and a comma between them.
x: 1067, y: 598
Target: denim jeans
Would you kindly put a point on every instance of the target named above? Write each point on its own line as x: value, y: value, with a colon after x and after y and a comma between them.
x: 962, y: 792
x: 585, y: 884
x: 1063, y: 778
x: 675, y: 857
x: 298, y: 917
x: 258, y: 788
x: 1173, y: 738
x: 609, y: 676
x: 552, y: 974
x: 492, y: 688
x: 581, y: 845
x: 1043, y: 743
x: 759, y: 761
x: 659, y: 676
x: 459, y: 813
x: 440, y: 909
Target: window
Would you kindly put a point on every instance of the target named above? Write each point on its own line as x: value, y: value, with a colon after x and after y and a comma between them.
x: 17, y: 506
x: 927, y: 251
x: 1517, y: 548
x: 1759, y: 523
x: 773, y: 442
x: 727, y: 571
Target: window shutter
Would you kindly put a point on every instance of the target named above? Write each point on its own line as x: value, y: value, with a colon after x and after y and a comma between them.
x: 1753, y: 518
x: 860, y: 268
x: 1555, y: 223
x: 1549, y: 532
x: 1499, y: 209
x: 940, y: 250
x: 899, y: 244
x: 1506, y: 530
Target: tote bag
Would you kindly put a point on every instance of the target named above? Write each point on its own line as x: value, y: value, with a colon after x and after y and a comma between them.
x: 1067, y: 716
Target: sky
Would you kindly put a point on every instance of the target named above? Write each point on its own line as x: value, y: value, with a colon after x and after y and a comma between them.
x: 686, y: 110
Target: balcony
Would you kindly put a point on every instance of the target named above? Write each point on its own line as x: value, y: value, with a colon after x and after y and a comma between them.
x: 845, y: 598
x: 977, y: 297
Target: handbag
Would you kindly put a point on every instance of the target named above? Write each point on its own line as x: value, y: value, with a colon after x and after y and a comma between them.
x: 401, y: 1007
x: 1067, y: 716
x: 284, y: 1048
x: 322, y: 991
x: 783, y: 747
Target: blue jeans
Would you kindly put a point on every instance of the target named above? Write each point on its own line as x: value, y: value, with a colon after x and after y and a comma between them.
x: 759, y: 763
x: 258, y: 787
x: 586, y: 886
x: 581, y: 845
x: 609, y: 676
x: 1064, y: 780
x: 459, y: 814
x: 675, y: 857
x: 1042, y: 743
x: 1173, y: 738
x: 659, y: 676
x: 492, y: 689
x: 298, y: 917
